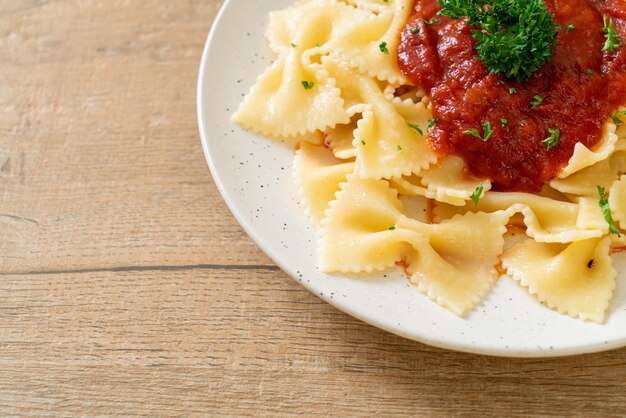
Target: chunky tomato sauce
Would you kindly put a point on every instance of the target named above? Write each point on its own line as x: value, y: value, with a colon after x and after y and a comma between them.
x: 580, y: 87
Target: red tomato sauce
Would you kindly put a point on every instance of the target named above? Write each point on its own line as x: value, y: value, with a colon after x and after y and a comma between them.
x: 441, y: 58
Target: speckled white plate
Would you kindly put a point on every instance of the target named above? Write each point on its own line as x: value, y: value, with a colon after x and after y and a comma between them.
x: 254, y: 176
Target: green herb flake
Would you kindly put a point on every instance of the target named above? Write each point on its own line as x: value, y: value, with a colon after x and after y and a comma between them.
x: 504, y: 122
x: 616, y: 117
x: 554, y: 138
x: 398, y: 148
x: 294, y: 45
x: 431, y: 21
x: 431, y: 124
x: 362, y: 142
x: 613, y: 40
x: 488, y: 131
x: 513, y: 38
x: 512, y: 90
x: 383, y: 48
x: 477, y: 194
x: 606, y: 212
x: 589, y: 71
x: 570, y: 28
x: 308, y: 85
x: 537, y: 100
x: 417, y: 128
x: 415, y: 30
x: 392, y: 228
x: 475, y: 133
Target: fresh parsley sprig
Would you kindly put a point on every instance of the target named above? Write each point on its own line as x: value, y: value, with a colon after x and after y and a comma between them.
x: 477, y: 194
x: 514, y: 37
x: 606, y: 212
x: 554, y: 138
x: 475, y: 133
x: 616, y: 117
x: 613, y: 40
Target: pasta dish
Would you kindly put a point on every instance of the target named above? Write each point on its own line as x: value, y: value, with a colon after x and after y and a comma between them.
x: 462, y: 140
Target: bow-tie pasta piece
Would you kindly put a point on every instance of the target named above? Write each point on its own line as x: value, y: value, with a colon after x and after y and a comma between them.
x: 576, y: 279
x: 457, y: 267
x: 546, y: 220
x: 291, y: 99
x: 387, y: 146
x: 371, y: 47
x: 359, y: 233
x: 585, y: 182
x: 310, y: 25
x: 453, y: 262
x: 318, y: 174
x: 583, y: 157
x: 296, y: 95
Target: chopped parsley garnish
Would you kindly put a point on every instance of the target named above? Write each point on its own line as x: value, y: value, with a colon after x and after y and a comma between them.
x: 383, y: 48
x: 537, y: 100
x: 512, y: 90
x: 554, y: 138
x: 589, y: 71
x: 606, y: 212
x: 613, y: 40
x: 504, y: 122
x: 294, y: 45
x: 570, y: 28
x: 308, y: 85
x: 431, y: 21
x: 477, y: 194
x: 415, y: 30
x: 392, y: 228
x: 514, y: 37
x: 616, y: 117
x: 417, y: 128
x: 474, y: 132
x: 398, y: 148
x: 431, y: 124
x: 362, y: 142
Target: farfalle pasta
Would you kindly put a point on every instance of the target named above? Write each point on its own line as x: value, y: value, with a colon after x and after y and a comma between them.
x: 367, y: 138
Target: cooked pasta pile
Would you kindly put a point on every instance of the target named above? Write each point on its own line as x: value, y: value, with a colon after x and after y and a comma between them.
x: 335, y: 86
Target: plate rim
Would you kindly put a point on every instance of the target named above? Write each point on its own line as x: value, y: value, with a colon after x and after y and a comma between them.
x: 202, y: 82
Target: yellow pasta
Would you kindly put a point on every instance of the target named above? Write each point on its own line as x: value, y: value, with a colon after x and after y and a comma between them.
x: 584, y: 157
x: 547, y: 220
x: 361, y: 45
x: 363, y: 131
x: 453, y: 262
x: 575, y: 279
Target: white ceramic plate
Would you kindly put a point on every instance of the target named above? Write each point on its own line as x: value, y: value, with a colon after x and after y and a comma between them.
x: 254, y: 175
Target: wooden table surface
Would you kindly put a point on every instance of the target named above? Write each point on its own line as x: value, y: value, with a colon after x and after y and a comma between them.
x: 126, y: 286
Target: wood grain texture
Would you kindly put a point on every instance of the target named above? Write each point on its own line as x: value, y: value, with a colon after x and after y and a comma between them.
x: 126, y: 287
